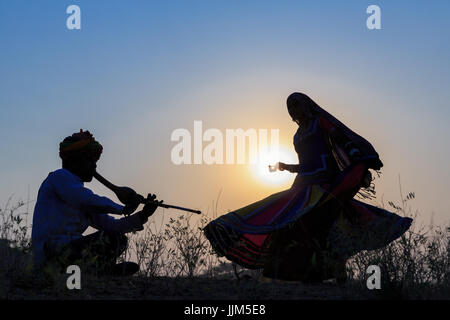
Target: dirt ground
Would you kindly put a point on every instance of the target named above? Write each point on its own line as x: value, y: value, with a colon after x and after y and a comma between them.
x: 139, y: 288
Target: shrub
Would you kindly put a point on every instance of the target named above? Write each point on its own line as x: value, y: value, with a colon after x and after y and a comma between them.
x: 417, y: 265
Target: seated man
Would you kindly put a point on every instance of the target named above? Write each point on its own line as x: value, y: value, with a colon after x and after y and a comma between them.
x: 65, y: 209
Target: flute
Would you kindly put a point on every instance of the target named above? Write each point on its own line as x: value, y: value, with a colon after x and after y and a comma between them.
x: 125, y: 194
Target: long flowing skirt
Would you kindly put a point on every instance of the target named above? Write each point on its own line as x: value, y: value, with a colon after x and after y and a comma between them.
x: 290, y: 226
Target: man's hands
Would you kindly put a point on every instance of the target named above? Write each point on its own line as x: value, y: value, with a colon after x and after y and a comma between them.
x: 132, y: 202
x: 149, y: 208
x: 151, y: 204
x: 129, y: 209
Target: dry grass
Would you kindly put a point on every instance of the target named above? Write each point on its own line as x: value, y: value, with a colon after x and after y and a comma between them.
x: 177, y: 262
x: 415, y: 266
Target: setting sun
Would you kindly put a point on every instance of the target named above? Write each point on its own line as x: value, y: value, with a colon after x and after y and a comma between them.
x: 270, y: 156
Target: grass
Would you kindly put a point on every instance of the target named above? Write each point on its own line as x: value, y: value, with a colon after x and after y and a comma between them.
x: 415, y: 266
x: 177, y: 262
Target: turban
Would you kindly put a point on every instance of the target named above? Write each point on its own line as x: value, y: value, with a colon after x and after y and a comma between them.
x: 80, y: 143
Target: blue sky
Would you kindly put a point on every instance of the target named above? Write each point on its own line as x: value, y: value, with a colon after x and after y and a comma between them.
x: 137, y: 70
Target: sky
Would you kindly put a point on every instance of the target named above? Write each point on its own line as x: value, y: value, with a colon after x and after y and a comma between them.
x: 138, y: 70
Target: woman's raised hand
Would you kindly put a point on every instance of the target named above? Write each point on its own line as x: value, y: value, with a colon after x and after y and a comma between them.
x: 281, y: 166
x: 278, y: 166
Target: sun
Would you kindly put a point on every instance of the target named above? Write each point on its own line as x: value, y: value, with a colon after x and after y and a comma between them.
x: 271, y: 156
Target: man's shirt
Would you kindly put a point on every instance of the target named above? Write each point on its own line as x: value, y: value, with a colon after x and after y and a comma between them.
x: 65, y: 209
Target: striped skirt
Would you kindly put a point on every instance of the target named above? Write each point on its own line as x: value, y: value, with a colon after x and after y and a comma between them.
x: 327, y: 212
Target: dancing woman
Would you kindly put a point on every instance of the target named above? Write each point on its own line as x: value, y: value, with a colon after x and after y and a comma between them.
x: 308, y: 232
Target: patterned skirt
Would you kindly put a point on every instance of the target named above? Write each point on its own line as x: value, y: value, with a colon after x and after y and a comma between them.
x: 302, y: 220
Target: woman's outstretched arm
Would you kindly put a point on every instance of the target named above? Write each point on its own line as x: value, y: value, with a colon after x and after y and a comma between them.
x: 288, y: 167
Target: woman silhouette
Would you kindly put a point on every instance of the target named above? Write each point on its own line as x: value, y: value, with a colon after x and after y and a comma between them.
x: 308, y: 232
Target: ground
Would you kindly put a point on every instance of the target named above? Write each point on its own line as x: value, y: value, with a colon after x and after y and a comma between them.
x: 163, y: 288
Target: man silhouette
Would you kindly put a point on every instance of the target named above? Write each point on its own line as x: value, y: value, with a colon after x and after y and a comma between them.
x: 65, y: 209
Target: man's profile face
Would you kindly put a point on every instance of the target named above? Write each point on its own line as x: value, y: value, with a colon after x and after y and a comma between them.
x: 84, y: 167
x: 88, y: 169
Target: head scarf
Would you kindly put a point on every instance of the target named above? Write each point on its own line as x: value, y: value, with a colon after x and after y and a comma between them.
x: 80, y: 143
x: 301, y: 102
x: 310, y: 109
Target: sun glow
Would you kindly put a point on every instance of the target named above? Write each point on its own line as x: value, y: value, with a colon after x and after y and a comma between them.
x: 270, y: 156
